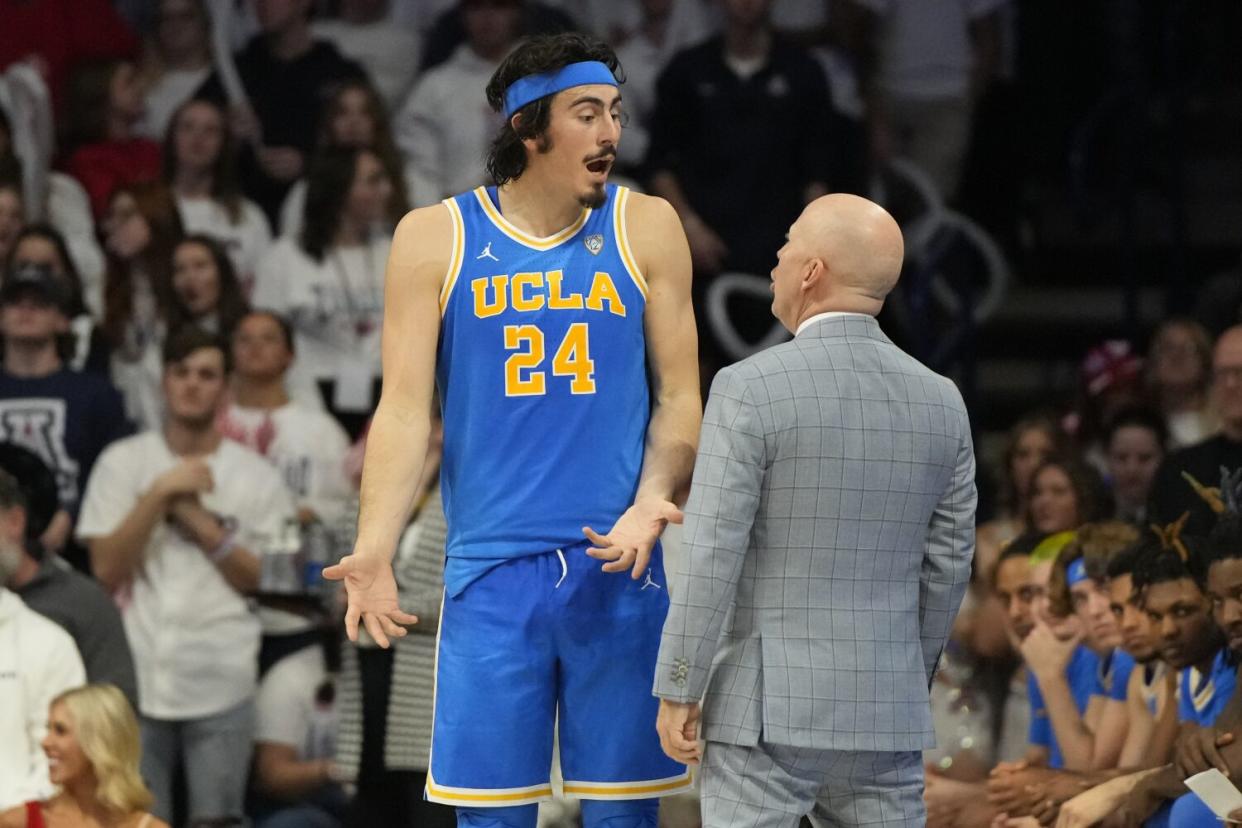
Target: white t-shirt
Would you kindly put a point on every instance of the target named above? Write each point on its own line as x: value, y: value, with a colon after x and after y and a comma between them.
x: 336, y: 307
x: 195, y: 639
x: 307, y: 446
x: 925, y: 49
x: 287, y: 711
x: 246, y: 240
x: 390, y: 54
x: 164, y: 96
x: 447, y: 126
x: 38, y: 661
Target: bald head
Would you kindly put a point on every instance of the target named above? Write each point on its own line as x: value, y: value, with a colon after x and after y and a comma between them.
x: 843, y: 254
x: 858, y: 241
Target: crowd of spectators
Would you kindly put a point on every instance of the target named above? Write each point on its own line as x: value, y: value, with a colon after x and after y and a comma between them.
x: 195, y: 216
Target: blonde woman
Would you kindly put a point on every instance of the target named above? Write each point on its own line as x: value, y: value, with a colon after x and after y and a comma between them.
x: 92, y: 749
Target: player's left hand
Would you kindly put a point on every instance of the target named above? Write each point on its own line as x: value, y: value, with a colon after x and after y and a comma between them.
x: 677, y: 723
x: 629, y: 543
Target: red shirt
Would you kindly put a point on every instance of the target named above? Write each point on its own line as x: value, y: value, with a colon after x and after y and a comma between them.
x: 62, y: 33
x: 103, y: 167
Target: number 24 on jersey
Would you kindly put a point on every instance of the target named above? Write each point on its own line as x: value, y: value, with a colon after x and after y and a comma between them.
x: 523, y: 374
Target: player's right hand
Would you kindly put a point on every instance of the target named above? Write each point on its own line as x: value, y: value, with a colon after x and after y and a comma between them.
x: 372, y: 596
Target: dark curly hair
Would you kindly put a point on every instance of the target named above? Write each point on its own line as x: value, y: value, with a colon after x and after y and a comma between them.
x: 506, y: 160
x: 1223, y: 543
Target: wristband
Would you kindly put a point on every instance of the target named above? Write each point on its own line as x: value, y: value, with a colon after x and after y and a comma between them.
x: 227, y: 544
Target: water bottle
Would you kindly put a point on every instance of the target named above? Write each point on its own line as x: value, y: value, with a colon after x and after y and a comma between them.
x: 316, y: 551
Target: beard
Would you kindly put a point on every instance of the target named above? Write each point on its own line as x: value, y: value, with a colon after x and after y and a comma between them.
x: 595, y: 198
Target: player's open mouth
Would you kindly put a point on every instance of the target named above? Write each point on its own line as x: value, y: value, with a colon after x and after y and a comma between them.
x: 599, y: 166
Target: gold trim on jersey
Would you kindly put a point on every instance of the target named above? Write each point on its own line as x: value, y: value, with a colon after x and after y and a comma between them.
x: 504, y: 225
x: 623, y: 240
x: 459, y: 253
x: 1203, y: 696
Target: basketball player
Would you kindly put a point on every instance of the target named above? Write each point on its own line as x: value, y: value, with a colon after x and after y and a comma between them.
x: 553, y: 313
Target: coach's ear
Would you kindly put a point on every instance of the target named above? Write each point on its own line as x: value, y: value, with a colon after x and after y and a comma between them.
x: 814, y: 273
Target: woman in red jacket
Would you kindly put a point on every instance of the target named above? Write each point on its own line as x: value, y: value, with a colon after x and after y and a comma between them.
x: 105, y: 102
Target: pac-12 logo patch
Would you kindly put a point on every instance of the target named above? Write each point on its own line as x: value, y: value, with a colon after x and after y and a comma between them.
x: 594, y: 243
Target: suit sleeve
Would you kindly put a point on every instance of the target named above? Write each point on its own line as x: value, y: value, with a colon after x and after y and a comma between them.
x: 724, y: 497
x: 947, y: 558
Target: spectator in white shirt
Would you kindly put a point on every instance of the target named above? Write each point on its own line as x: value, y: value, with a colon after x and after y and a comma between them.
x: 355, y: 117
x: 176, y: 62
x: 205, y: 289
x: 176, y: 520
x: 329, y: 282
x: 363, y: 32
x: 923, y: 63
x: 295, y: 742
x: 38, y: 661
x: 303, y: 442
x: 446, y: 126
x: 306, y: 444
x: 200, y: 168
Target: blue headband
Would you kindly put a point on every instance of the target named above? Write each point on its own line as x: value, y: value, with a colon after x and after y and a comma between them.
x: 1076, y: 573
x: 533, y: 87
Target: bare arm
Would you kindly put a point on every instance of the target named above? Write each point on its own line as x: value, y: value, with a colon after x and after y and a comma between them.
x: 1142, y: 725
x: 116, y: 556
x: 1076, y: 740
x: 662, y: 255
x: 240, y: 567
x: 280, y: 774
x: 1110, y: 732
x: 672, y: 349
x: 397, y: 441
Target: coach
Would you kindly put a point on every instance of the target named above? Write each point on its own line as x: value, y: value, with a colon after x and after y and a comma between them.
x: 828, y: 541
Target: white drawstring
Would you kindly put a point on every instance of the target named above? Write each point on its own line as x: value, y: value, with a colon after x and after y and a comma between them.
x: 564, y: 568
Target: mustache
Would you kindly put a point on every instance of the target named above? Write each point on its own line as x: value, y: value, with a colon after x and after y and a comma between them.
x: 609, y: 153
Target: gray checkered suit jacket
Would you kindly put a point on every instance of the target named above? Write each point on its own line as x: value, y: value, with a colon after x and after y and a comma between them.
x: 827, y: 545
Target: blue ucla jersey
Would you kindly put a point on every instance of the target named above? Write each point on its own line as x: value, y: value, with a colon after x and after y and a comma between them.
x: 542, y: 374
x: 1202, y: 697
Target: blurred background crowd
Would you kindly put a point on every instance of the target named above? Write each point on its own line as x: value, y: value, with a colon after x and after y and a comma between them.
x: 196, y: 204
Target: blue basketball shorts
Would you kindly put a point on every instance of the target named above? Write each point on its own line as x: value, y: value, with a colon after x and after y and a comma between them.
x: 543, y: 642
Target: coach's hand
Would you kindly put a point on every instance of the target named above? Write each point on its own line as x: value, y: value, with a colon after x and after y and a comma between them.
x: 372, y: 595
x: 678, y: 726
x: 629, y: 543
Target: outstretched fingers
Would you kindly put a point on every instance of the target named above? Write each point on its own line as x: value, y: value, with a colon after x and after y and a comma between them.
x: 372, y: 622
x: 352, y: 616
